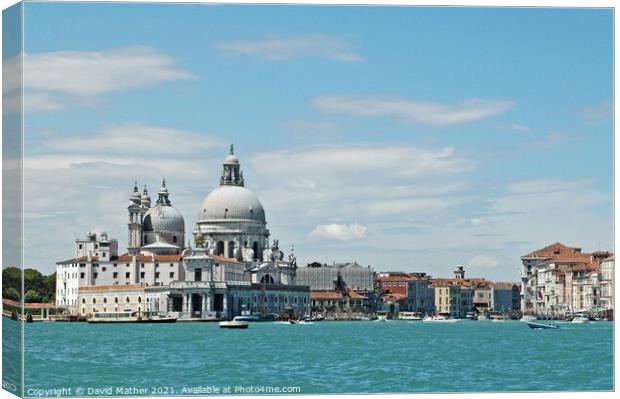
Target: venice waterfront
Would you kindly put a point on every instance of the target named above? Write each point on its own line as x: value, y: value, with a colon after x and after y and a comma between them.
x: 325, y: 357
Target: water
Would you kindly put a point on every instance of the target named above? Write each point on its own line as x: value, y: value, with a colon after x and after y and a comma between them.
x: 324, y: 357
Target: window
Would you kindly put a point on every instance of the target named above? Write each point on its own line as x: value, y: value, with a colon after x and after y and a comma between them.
x: 141, y: 274
x: 80, y: 246
x: 96, y: 246
x: 115, y: 265
x: 171, y: 274
x: 115, y: 275
x: 127, y: 275
x: 171, y: 265
x: 142, y: 265
x: 95, y: 275
x: 156, y: 264
x: 156, y: 274
x: 103, y: 269
x: 127, y: 264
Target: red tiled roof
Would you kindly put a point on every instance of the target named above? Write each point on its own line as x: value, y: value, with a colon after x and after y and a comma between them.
x: 552, y: 250
x: 503, y: 284
x: 397, y: 278
x: 28, y: 305
x: 325, y: 295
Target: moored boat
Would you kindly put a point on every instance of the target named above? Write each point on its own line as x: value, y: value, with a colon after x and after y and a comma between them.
x: 415, y: 316
x: 129, y: 317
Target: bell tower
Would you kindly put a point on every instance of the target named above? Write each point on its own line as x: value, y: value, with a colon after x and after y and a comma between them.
x: 134, y: 224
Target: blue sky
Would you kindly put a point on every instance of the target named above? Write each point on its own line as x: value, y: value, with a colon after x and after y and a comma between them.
x: 407, y: 138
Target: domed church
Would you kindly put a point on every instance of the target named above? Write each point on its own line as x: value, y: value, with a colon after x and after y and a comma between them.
x: 231, y: 218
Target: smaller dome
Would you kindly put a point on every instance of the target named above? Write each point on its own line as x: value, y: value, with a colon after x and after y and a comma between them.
x: 163, y: 219
x: 231, y: 159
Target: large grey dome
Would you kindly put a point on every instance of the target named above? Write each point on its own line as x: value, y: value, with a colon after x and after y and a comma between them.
x: 231, y: 203
x: 163, y: 219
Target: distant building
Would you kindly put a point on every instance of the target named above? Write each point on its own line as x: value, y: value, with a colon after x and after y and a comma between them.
x: 607, y: 283
x: 505, y: 297
x: 559, y: 280
x: 410, y: 291
x: 323, y: 277
x: 447, y: 298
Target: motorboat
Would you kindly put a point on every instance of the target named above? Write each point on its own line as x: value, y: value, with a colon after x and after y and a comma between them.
x: 471, y: 316
x: 580, y: 318
x: 382, y: 315
x: 527, y: 317
x: 414, y: 316
x: 438, y: 319
x: 537, y: 325
x: 236, y: 322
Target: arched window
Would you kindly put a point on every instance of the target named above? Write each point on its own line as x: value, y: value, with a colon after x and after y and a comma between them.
x: 105, y: 300
x: 83, y: 300
x: 174, y: 239
x: 115, y: 299
x: 127, y: 299
x: 139, y: 299
x: 220, y: 248
x: 231, y: 249
x: 267, y: 279
x: 94, y: 301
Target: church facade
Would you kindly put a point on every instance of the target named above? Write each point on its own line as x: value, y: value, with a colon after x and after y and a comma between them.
x: 231, y: 266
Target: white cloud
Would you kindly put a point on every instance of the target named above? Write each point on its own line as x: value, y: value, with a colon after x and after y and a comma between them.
x: 422, y: 112
x: 598, y: 113
x: 340, y: 232
x: 515, y: 127
x: 326, y: 163
x: 52, y: 80
x: 284, y: 48
x: 539, y: 186
x: 483, y: 262
x: 137, y: 139
x: 89, y: 73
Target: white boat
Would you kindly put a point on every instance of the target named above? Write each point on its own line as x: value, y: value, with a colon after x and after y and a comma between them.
x: 580, y: 318
x: 415, y: 316
x: 483, y: 317
x: 438, y: 319
x: 527, y: 317
x: 534, y: 325
x: 129, y: 317
x: 236, y: 322
x: 382, y: 315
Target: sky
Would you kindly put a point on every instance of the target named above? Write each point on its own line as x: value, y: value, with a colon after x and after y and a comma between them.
x: 405, y: 138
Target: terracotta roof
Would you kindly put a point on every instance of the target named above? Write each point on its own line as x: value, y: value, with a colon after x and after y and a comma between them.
x: 552, y: 250
x: 394, y: 297
x: 503, y: 284
x: 354, y: 294
x: 325, y: 295
x: 571, y: 258
x: 28, y: 305
x: 149, y: 258
x: 113, y: 288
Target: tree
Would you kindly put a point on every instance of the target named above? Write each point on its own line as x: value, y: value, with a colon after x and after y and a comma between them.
x: 33, y: 280
x: 32, y: 296
x: 11, y: 293
x: 12, y: 278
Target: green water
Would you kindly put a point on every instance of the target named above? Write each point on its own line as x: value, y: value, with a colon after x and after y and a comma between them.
x: 325, y: 357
